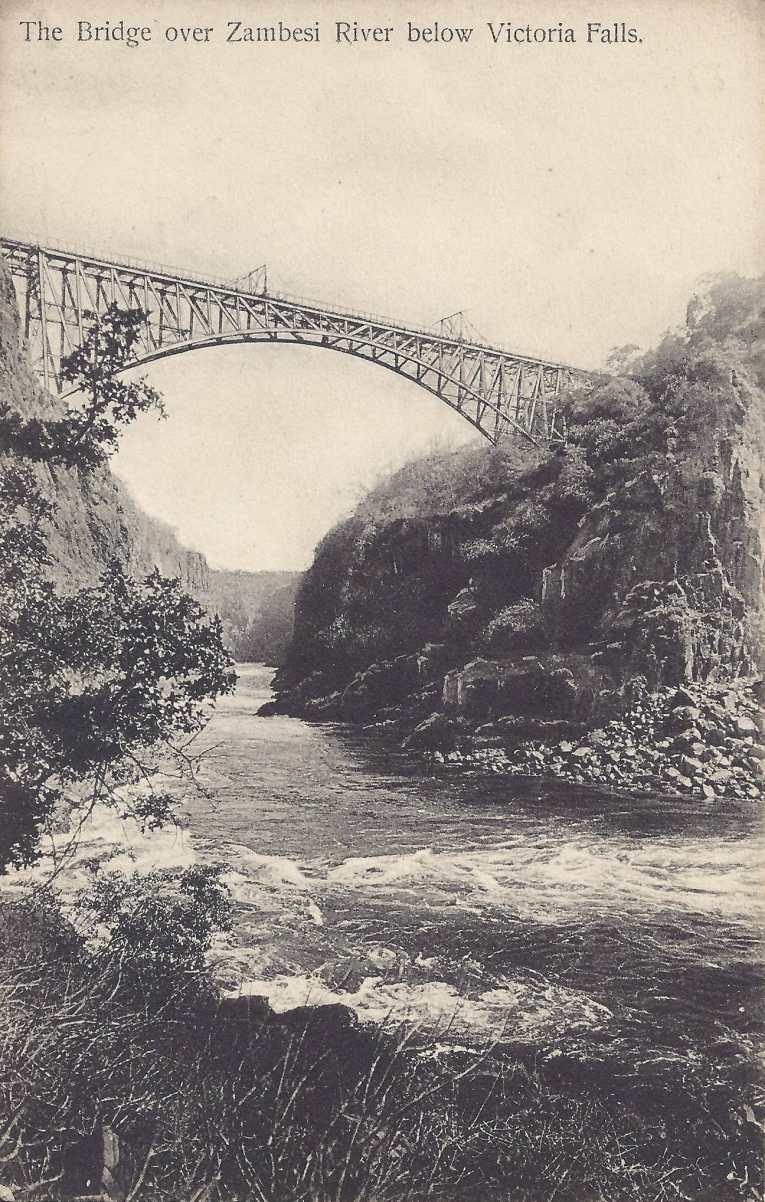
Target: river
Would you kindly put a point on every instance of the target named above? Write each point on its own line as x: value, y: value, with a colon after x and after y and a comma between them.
x: 565, y: 918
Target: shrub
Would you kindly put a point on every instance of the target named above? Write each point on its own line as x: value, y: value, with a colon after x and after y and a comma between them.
x: 94, y: 685
x: 574, y: 491
x: 518, y: 627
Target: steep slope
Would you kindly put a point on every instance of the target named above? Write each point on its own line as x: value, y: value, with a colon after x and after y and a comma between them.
x: 95, y: 519
x: 557, y: 586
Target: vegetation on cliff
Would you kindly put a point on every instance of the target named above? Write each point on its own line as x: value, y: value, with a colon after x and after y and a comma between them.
x: 512, y: 579
x: 96, y: 684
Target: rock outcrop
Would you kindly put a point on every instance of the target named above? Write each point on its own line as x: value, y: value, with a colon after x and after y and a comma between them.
x: 560, y: 588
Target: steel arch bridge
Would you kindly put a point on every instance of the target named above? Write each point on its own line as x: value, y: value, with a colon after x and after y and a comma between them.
x: 497, y: 391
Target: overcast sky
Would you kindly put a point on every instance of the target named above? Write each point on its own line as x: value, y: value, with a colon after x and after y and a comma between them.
x: 566, y: 197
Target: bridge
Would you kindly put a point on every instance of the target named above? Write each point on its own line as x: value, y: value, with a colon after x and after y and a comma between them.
x: 497, y: 391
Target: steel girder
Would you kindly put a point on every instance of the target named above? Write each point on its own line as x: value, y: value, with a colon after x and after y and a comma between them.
x: 497, y: 391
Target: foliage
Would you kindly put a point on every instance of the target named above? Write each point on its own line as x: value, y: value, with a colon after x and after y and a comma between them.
x: 619, y: 400
x: 98, y: 684
x: 158, y: 926
x: 704, y: 371
x: 123, y: 1030
x: 93, y: 686
x: 621, y: 358
x: 575, y: 490
x: 88, y: 433
x: 517, y: 627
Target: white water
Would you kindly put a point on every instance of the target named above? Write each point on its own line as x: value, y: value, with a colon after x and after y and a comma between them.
x: 479, y: 906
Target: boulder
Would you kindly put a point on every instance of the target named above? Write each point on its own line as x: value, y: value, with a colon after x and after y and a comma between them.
x: 463, y: 614
x: 437, y: 733
x: 329, y: 1021
x: 324, y: 708
x: 690, y: 766
x: 431, y: 660
x: 517, y: 726
x: 583, y: 753
x: 745, y: 726
x: 246, y: 1010
x: 684, y: 716
x: 380, y: 685
x: 521, y: 687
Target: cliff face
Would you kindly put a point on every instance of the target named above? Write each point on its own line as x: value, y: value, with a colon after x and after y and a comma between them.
x: 511, y: 582
x: 95, y: 519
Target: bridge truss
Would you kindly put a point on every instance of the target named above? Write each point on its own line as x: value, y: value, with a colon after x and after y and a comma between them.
x: 497, y: 391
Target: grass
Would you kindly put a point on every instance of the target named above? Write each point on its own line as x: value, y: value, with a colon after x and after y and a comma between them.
x: 217, y: 1100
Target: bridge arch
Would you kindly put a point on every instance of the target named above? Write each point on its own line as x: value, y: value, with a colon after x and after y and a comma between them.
x: 358, y: 349
x: 497, y: 391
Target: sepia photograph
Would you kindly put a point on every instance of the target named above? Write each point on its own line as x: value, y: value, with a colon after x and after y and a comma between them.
x: 381, y: 751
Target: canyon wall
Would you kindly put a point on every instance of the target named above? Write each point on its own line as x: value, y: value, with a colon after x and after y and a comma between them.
x: 553, y: 584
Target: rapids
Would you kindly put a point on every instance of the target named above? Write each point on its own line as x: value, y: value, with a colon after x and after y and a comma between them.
x: 566, y: 921
x: 537, y: 912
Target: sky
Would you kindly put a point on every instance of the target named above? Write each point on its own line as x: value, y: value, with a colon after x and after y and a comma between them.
x: 566, y: 197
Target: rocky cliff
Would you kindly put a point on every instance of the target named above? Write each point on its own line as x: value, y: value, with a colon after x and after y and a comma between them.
x: 550, y: 589
x: 94, y: 520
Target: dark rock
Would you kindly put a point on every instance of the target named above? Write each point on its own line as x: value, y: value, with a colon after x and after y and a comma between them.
x: 328, y: 1022
x: 684, y: 741
x: 690, y: 766
x: 537, y: 728
x: 325, y: 708
x: 523, y: 687
x: 431, y: 659
x: 719, y: 776
x: 464, y: 612
x: 246, y: 1010
x: 684, y: 716
x: 715, y: 736
x: 381, y: 684
x: 436, y: 733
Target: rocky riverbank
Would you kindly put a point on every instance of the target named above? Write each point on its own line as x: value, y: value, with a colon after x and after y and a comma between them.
x: 592, y: 612
x: 697, y: 740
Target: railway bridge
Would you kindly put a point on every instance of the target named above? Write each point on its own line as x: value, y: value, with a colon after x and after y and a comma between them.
x: 496, y: 390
